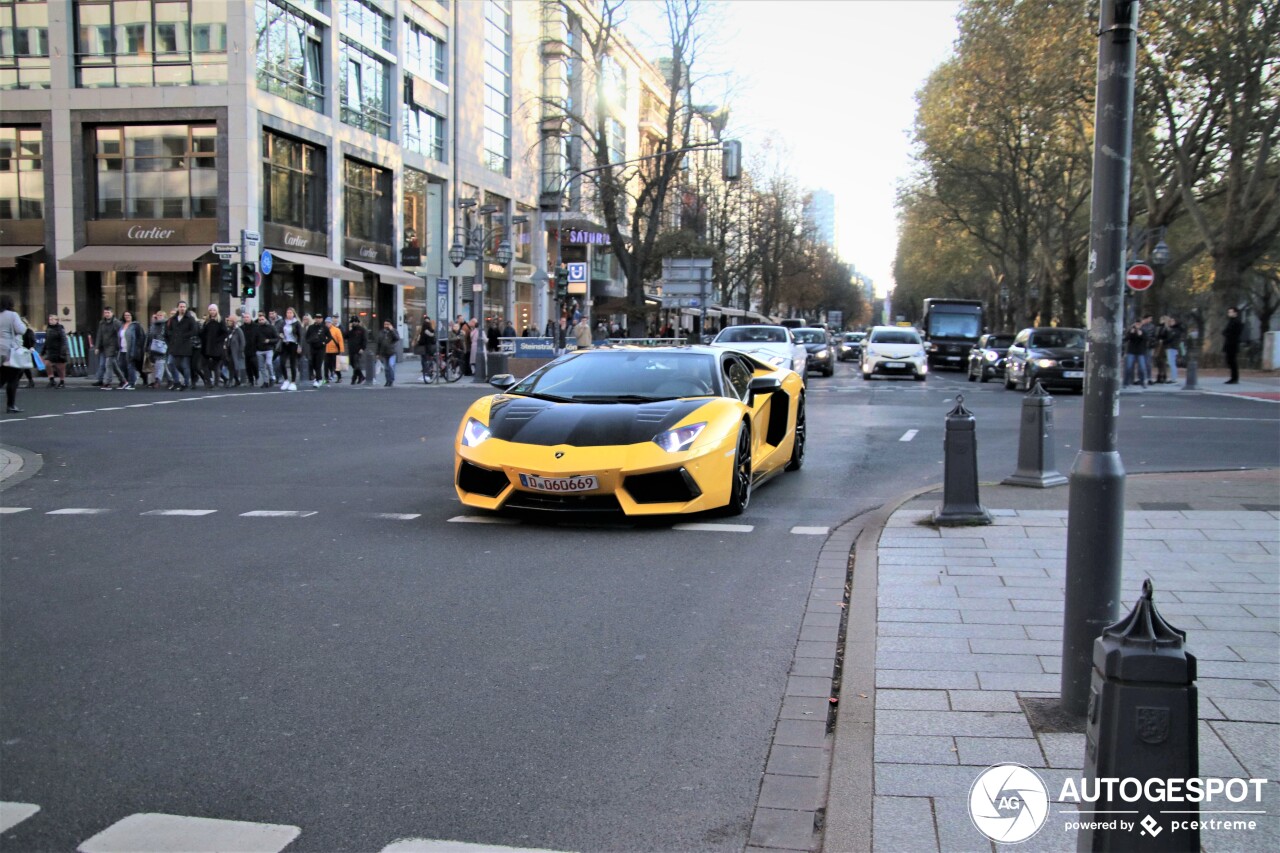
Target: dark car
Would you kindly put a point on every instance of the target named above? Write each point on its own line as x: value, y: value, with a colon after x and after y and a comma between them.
x: 849, y: 347
x: 1050, y: 355
x: 822, y: 353
x: 986, y: 359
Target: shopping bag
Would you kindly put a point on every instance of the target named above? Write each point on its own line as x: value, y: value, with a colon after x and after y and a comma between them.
x: 37, y: 361
x: 20, y: 358
x: 343, y: 363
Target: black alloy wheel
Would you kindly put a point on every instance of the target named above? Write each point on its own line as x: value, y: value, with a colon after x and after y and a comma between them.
x: 797, y: 449
x: 970, y: 376
x: 740, y: 490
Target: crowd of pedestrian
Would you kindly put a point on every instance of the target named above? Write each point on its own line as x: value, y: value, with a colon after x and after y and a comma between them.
x: 1152, y: 351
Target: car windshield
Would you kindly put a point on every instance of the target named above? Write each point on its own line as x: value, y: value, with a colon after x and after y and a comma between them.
x: 1000, y: 341
x: 752, y: 335
x: 810, y: 336
x: 623, y: 376
x: 1058, y: 339
x: 895, y: 336
x: 854, y: 337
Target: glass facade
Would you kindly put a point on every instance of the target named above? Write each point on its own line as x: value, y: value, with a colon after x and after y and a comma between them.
x: 293, y: 183
x: 150, y: 43
x: 24, y: 45
x: 290, y: 54
x: 365, y: 23
x: 424, y: 54
x: 167, y: 171
x: 423, y: 129
x: 497, y: 86
x: 21, y: 173
x: 366, y: 101
x: 367, y: 202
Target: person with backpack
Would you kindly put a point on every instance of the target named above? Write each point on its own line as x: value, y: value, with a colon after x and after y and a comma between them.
x: 317, y: 337
x: 425, y: 345
x: 56, y: 352
x: 357, y: 341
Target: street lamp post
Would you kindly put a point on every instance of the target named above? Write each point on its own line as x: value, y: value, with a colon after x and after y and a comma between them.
x: 469, y: 242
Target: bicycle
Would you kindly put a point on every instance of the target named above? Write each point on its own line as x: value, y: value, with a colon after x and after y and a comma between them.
x: 441, y: 364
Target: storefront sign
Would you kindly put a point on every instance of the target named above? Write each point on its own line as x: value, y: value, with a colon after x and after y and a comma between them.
x: 586, y: 238
x: 373, y: 253
x: 410, y: 256
x: 151, y: 232
x: 294, y: 239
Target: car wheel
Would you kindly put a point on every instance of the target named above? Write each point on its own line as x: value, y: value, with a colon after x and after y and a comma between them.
x: 1025, y: 383
x: 971, y: 377
x: 920, y: 377
x: 797, y: 448
x: 982, y: 374
x: 866, y: 377
x: 830, y: 371
x: 1008, y: 380
x: 740, y: 487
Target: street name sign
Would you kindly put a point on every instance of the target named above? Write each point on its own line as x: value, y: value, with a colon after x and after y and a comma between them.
x: 225, y: 248
x: 1140, y: 277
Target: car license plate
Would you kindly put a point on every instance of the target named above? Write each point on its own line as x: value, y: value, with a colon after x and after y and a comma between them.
x: 953, y: 358
x: 1073, y: 374
x: 564, y: 485
x: 896, y: 364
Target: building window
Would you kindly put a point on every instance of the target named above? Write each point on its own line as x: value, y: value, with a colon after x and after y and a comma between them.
x: 497, y: 86
x: 617, y: 141
x: 24, y: 45
x: 150, y: 43
x: 21, y: 173
x: 290, y: 54
x: 367, y: 202
x: 364, y: 23
x: 366, y: 100
x: 423, y: 129
x: 167, y: 171
x: 424, y: 54
x: 414, y: 206
x: 293, y: 183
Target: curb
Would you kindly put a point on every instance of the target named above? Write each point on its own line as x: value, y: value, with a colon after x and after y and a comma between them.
x: 29, y: 464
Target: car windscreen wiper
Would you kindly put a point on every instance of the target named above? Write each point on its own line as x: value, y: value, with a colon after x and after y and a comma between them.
x: 551, y: 398
x: 618, y: 398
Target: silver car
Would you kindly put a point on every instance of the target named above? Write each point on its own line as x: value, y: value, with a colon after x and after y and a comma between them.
x: 774, y: 344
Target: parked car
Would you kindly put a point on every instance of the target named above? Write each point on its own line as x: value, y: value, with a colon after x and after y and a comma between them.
x: 819, y: 346
x: 849, y: 348
x: 894, y: 351
x: 1050, y: 355
x: 774, y: 344
x: 986, y: 359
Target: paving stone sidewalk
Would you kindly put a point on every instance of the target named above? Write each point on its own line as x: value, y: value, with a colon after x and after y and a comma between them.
x: 969, y: 621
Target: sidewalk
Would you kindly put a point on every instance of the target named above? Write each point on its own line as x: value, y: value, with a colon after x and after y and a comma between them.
x: 1258, y: 384
x: 966, y: 625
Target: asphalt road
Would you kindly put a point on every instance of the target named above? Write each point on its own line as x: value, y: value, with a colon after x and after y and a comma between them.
x: 379, y: 665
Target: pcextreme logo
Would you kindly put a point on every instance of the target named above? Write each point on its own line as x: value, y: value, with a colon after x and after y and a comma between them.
x: 1008, y: 803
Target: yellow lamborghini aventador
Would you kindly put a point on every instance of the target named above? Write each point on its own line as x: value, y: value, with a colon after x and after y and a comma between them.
x: 637, y: 431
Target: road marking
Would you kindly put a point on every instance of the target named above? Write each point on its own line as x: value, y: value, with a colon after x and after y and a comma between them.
x: 139, y: 405
x: 139, y: 832
x: 80, y: 412
x: 811, y: 531
x: 715, y: 528
x: 483, y: 519
x: 1193, y: 418
x: 78, y: 511
x: 278, y: 513
x: 909, y: 434
x: 398, y: 516
x: 38, y: 417
x: 12, y: 510
x: 426, y: 845
x: 12, y: 814
x: 180, y: 512
x: 111, y: 409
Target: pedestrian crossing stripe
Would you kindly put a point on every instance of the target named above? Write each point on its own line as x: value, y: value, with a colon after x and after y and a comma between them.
x: 11, y: 510
x: 12, y: 814
x: 426, y: 845
x: 157, y: 833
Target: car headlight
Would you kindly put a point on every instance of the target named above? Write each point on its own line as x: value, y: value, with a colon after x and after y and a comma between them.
x: 680, y: 438
x: 1045, y: 362
x: 933, y: 347
x: 823, y: 353
x: 474, y: 433
x: 919, y: 353
x: 990, y: 356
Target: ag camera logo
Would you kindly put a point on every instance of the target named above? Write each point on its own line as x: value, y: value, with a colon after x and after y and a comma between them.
x: 1008, y: 803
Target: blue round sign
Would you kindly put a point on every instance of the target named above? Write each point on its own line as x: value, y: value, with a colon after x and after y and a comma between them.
x: 264, y: 263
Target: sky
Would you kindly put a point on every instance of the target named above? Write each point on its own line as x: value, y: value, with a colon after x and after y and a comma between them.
x: 833, y: 82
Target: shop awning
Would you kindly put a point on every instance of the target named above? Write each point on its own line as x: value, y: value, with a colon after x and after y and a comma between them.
x: 317, y: 265
x: 9, y: 254
x: 389, y: 275
x: 133, y: 258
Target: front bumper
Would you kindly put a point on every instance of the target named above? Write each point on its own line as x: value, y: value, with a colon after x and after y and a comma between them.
x: 637, y: 479
x: 1056, y: 377
x: 886, y: 366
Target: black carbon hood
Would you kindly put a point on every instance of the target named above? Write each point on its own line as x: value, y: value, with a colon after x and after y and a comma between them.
x: 530, y: 421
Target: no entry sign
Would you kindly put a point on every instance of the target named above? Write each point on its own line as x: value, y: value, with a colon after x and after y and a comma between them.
x: 1140, y: 277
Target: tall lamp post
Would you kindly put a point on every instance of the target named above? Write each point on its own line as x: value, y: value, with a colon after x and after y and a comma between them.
x: 469, y: 244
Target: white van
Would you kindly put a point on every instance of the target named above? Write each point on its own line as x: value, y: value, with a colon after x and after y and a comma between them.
x: 894, y: 351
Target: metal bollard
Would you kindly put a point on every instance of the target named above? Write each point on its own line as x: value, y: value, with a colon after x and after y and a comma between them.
x: 960, y: 471
x: 1141, y: 725
x: 1036, y: 467
x: 1191, y: 368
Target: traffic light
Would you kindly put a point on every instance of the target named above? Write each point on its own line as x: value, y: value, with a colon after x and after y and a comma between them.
x: 249, y: 278
x: 731, y: 160
x: 229, y: 279
x: 562, y: 282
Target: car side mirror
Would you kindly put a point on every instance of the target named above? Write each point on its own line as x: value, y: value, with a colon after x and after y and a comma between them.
x: 503, y: 381
x: 762, y: 385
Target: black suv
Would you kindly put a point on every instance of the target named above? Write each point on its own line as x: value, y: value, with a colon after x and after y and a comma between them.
x: 986, y: 359
x: 1050, y: 355
x: 817, y: 343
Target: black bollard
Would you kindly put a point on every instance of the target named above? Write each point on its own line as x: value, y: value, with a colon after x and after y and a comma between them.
x: 1036, y: 467
x: 960, y: 471
x: 1141, y: 725
x: 1193, y: 358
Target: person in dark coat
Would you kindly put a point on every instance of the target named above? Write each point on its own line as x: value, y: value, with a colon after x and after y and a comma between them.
x: 317, y: 338
x: 386, y: 350
x: 266, y: 339
x: 107, y: 344
x: 181, y: 331
x: 357, y: 342
x: 213, y: 338
x: 1231, y: 334
x: 133, y: 349
x: 249, y: 329
x: 159, y: 354
x: 56, y: 352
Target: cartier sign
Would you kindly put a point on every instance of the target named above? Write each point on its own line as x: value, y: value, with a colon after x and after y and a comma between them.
x: 294, y: 239
x: 151, y: 232
x: 363, y: 250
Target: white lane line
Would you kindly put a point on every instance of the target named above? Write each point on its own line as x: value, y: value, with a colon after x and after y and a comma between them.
x: 483, y: 519
x: 111, y: 409
x: 279, y: 513
x: 80, y: 412
x: 78, y: 511
x: 398, y: 516
x: 12, y: 814
x: 180, y: 512
x: 1205, y: 418
x: 38, y: 417
x: 715, y: 528
x: 12, y: 510
x: 143, y: 832
x: 164, y: 402
x: 811, y: 531
x: 429, y: 845
x: 139, y: 405
x: 909, y: 434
